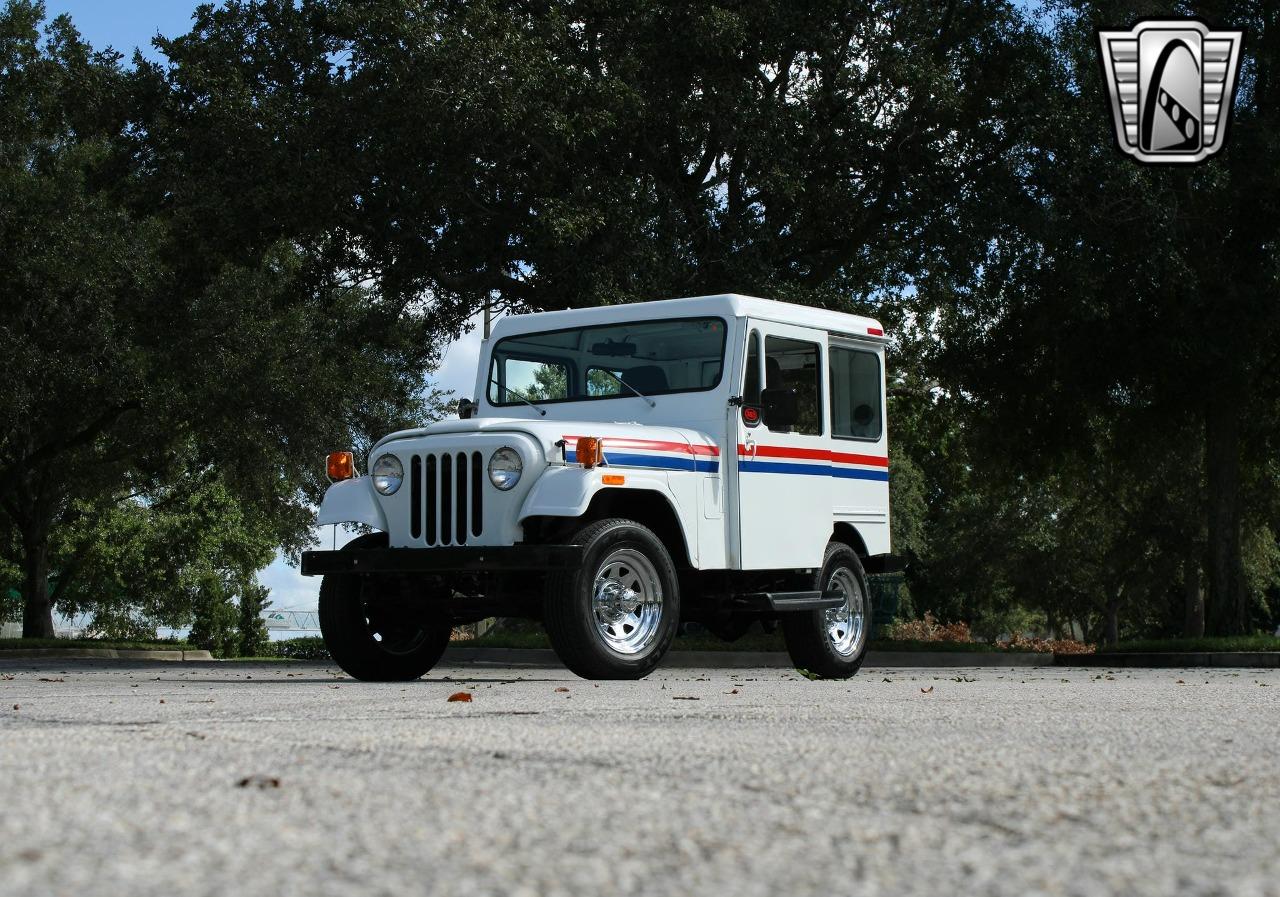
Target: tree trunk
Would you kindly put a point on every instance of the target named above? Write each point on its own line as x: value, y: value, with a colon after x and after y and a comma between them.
x: 1227, y: 599
x: 1111, y: 620
x: 1193, y: 592
x: 37, y: 609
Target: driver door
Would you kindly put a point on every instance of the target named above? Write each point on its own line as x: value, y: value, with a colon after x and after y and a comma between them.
x: 783, y: 469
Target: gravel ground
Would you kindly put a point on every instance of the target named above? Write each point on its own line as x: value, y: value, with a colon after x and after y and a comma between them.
x: 291, y: 779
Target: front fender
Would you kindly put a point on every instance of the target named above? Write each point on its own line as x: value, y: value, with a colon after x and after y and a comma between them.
x: 352, y: 501
x: 567, y: 492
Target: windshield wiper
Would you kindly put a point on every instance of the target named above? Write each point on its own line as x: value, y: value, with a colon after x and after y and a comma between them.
x: 518, y: 396
x: 652, y: 403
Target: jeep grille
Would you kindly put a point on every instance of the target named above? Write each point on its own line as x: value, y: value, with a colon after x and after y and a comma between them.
x: 446, y: 497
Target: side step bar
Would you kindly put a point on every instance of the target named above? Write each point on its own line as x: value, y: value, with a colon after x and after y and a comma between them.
x: 789, y: 602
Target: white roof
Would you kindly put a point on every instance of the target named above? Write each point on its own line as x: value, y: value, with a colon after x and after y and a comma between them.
x: 725, y: 305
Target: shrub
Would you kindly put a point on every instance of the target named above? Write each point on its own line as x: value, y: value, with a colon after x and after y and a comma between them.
x: 1020, y: 642
x: 306, y: 648
x: 928, y: 630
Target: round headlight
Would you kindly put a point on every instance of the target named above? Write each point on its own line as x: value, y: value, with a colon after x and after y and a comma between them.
x: 505, y: 468
x: 388, y: 474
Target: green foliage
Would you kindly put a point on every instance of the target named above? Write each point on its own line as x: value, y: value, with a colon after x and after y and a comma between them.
x: 217, y: 267
x: 254, y: 599
x: 215, y: 627
x: 307, y: 648
x: 176, y: 365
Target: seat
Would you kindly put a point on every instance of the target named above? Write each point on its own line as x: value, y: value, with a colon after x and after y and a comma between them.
x: 647, y: 379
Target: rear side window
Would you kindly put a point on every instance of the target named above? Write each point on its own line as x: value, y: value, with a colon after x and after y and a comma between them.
x: 793, y: 364
x: 855, y: 394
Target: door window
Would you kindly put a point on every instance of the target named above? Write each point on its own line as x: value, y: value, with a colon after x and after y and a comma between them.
x: 793, y: 364
x: 855, y: 394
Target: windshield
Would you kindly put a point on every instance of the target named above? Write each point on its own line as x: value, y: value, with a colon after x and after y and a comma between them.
x: 652, y: 358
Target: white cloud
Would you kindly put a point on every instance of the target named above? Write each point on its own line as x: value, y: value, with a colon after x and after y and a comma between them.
x: 457, y: 369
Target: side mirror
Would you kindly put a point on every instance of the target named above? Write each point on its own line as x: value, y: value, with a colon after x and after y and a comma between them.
x: 466, y: 408
x: 779, y: 407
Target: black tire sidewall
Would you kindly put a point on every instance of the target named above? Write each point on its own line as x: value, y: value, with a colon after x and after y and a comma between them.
x: 347, y: 637
x: 570, y: 616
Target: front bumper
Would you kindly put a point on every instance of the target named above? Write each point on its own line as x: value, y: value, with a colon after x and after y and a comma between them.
x: 442, y: 560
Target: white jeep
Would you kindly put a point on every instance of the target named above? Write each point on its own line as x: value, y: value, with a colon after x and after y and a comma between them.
x: 719, y: 459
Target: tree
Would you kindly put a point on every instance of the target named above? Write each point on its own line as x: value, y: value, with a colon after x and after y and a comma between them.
x: 254, y: 599
x: 1120, y: 308
x: 141, y: 348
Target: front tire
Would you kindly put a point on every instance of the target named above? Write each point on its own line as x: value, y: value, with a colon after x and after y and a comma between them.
x: 615, y: 616
x: 367, y: 636
x: 833, y: 643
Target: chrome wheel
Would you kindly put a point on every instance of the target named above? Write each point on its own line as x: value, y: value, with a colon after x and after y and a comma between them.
x: 847, y: 624
x: 626, y: 601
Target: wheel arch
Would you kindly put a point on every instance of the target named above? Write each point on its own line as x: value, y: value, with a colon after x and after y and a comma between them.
x: 848, y: 534
x: 648, y: 507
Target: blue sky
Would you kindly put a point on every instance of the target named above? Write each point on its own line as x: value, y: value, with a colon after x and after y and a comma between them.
x: 126, y: 24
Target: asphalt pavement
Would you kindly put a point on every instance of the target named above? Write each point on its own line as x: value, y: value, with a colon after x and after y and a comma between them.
x: 290, y: 779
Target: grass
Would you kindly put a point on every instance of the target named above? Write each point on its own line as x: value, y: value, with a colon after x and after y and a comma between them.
x: 1228, y: 644
x: 10, y: 644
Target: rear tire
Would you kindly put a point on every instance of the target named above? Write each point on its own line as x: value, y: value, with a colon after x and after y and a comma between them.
x: 615, y: 616
x: 369, y: 639
x: 833, y: 643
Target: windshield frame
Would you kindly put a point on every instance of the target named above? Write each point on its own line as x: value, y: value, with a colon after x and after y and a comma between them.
x: 492, y: 374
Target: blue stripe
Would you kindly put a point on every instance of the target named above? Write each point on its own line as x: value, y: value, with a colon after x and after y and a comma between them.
x: 821, y: 470
x: 844, y: 473
x: 658, y: 462
x: 653, y: 462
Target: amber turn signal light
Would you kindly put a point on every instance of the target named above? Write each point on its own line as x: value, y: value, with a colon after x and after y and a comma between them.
x: 612, y: 479
x: 342, y: 466
x: 589, y: 451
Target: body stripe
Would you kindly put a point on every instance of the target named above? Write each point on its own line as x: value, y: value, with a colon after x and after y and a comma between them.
x: 656, y: 445
x: 699, y: 458
x: 782, y: 451
x: 655, y: 462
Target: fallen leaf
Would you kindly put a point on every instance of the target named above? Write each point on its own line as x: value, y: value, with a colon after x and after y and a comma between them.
x: 162, y: 700
x: 262, y: 782
x: 46, y: 679
x: 734, y: 692
x: 17, y: 706
x: 684, y: 698
x: 463, y: 696
x: 562, y: 688
x: 1180, y: 682
x: 925, y: 691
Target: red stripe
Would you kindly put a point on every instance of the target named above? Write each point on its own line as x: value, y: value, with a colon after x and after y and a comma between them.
x: 656, y: 445
x: 873, y: 460
x: 779, y: 451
